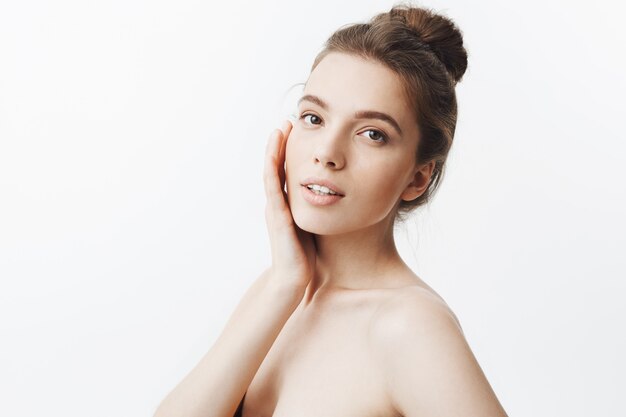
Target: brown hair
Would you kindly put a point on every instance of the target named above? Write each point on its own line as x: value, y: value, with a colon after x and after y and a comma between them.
x: 426, y: 50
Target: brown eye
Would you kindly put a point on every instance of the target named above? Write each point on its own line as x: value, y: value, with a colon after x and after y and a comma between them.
x: 312, y: 115
x: 377, y: 137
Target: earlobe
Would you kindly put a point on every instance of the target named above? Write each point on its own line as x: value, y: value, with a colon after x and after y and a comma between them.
x: 411, y: 192
x: 420, y: 182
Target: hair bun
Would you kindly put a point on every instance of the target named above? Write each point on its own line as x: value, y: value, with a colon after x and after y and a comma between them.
x: 440, y: 33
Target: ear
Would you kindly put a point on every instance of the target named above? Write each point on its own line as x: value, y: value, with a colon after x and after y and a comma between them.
x: 420, y: 181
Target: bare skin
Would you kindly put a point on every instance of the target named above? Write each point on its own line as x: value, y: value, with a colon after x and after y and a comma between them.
x: 363, y: 304
x: 339, y: 325
x: 322, y: 363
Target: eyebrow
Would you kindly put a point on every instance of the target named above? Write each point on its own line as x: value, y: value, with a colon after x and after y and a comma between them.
x: 361, y: 114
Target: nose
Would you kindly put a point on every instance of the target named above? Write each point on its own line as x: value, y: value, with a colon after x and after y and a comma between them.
x: 329, y: 151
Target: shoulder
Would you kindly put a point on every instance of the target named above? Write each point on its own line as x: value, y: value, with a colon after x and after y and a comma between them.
x: 427, y: 364
x: 410, y: 309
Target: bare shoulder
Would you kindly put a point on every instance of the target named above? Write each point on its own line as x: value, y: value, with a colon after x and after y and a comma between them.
x: 410, y: 307
x: 428, y: 366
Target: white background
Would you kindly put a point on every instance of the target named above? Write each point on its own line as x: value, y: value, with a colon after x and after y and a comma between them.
x: 132, y: 136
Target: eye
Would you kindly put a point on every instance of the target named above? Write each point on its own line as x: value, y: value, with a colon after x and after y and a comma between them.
x: 309, y: 114
x: 380, y: 137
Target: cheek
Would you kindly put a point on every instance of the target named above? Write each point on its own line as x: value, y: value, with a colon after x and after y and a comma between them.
x: 383, y: 190
x: 382, y: 198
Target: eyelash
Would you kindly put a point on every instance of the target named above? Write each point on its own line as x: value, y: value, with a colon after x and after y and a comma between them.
x: 384, y: 138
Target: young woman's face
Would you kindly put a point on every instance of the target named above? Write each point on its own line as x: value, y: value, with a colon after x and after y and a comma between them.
x: 371, y: 161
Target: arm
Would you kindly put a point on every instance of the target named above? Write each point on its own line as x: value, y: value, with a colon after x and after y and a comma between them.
x: 215, y: 387
x: 428, y: 366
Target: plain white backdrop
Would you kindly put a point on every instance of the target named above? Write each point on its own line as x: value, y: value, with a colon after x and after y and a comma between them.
x: 132, y: 136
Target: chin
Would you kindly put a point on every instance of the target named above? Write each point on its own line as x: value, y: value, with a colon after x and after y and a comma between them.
x: 318, y: 224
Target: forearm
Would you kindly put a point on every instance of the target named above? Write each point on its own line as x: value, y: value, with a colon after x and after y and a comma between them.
x: 215, y: 387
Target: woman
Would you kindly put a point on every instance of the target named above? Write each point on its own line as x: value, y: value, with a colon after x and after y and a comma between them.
x: 339, y: 325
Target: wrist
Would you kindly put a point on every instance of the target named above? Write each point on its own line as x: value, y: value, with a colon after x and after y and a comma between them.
x: 284, y: 290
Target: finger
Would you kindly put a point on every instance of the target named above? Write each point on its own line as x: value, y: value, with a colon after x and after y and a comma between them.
x: 271, y: 180
x: 286, y: 130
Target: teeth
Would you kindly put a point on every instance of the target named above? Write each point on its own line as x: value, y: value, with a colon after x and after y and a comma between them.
x: 321, y: 189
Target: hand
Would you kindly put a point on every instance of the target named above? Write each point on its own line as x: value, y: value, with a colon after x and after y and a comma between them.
x: 293, y: 249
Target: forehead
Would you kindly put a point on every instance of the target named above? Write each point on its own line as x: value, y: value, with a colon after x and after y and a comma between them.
x: 350, y: 83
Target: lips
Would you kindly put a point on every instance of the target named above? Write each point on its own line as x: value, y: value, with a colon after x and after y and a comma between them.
x: 325, y: 183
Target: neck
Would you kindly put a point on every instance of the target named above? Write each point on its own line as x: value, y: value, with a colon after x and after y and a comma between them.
x: 359, y: 260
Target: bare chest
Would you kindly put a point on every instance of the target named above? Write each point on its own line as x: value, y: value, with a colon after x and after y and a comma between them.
x: 321, y: 365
